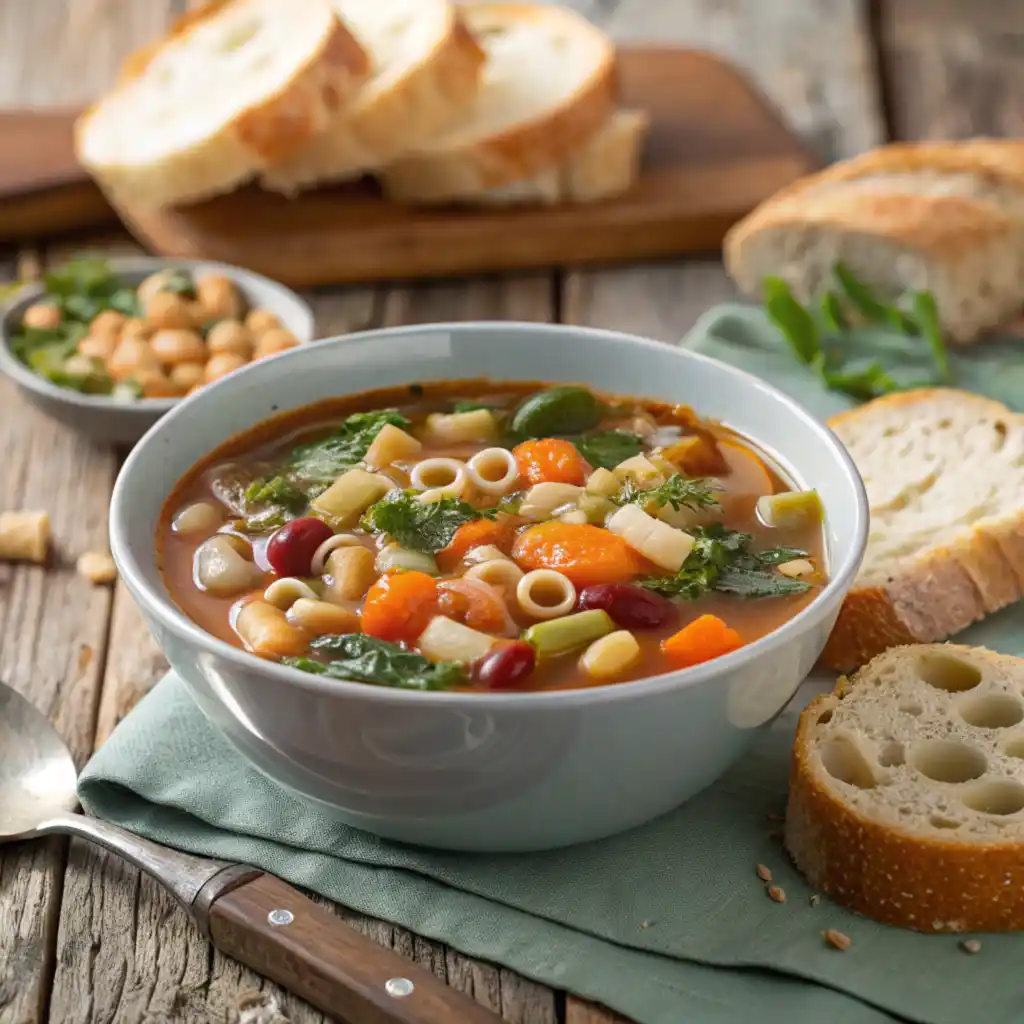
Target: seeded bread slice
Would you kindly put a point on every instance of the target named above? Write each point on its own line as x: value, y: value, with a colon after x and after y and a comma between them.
x: 426, y: 72
x: 906, y: 793
x: 944, y: 472
x: 235, y: 87
x: 548, y: 87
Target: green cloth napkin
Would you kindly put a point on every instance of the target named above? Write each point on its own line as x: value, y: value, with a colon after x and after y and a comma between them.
x: 668, y: 923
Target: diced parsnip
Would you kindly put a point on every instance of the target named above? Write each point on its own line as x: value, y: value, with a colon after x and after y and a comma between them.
x: 542, y: 499
x: 351, y: 571
x: 569, y: 633
x: 640, y: 470
x: 396, y: 558
x: 392, y: 444
x: 478, y: 425
x: 576, y: 515
x: 603, y: 483
x: 790, y: 509
x: 664, y: 545
x: 266, y: 631
x: 219, y: 567
x: 322, y: 617
x: 350, y: 496
x: 484, y: 553
x: 611, y: 655
x: 447, y: 640
x: 797, y: 567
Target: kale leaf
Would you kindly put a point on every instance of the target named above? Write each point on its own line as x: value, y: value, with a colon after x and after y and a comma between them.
x: 421, y: 525
x: 605, y: 449
x: 326, y: 459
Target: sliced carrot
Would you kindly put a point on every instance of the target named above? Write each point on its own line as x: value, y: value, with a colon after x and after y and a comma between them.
x: 550, y: 460
x: 499, y: 532
x: 399, y: 606
x: 477, y: 604
x: 703, y: 639
x: 585, y: 554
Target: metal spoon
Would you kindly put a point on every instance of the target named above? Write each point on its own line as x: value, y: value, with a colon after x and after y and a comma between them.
x: 251, y: 916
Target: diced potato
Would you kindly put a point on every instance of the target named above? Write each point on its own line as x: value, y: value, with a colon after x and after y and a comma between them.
x: 611, y: 655
x: 664, y: 545
x: 351, y: 571
x: 448, y: 640
x: 267, y: 632
x: 477, y: 426
x: 392, y: 444
x: 219, y: 568
x: 97, y: 567
x: 350, y: 496
x: 790, y: 510
x: 640, y: 470
x: 322, y: 617
x: 603, y: 483
x: 542, y: 499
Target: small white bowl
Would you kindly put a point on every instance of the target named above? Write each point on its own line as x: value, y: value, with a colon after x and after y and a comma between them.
x: 107, y: 420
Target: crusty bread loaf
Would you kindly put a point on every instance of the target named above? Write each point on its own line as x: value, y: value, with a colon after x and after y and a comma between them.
x: 944, y: 472
x: 426, y: 68
x: 906, y: 796
x: 547, y: 88
x: 236, y: 86
x: 945, y: 217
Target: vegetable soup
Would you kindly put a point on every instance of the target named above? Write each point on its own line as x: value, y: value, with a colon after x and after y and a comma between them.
x: 490, y: 536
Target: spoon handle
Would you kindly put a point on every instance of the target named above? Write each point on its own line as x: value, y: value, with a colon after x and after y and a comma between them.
x: 274, y: 929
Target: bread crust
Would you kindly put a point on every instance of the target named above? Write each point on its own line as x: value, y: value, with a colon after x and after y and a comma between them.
x: 910, y: 880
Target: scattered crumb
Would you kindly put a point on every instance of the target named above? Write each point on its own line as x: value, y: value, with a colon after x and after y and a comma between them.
x: 815, y: 899
x: 971, y: 946
x: 645, y: 924
x: 772, y: 816
x: 777, y: 893
x: 837, y: 940
x: 97, y: 567
x: 25, y: 536
x: 261, y: 1008
x: 764, y: 873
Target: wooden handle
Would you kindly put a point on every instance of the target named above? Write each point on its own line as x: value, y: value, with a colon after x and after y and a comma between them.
x: 281, y: 934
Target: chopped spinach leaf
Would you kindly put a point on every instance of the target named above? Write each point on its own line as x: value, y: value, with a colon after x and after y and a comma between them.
x: 368, y: 660
x: 678, y: 491
x: 421, y: 525
x: 277, y: 490
x: 326, y: 459
x: 605, y: 449
x: 465, y: 405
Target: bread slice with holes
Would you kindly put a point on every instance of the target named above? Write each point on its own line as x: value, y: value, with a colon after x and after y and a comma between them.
x: 947, y: 217
x: 906, y: 792
x: 548, y: 87
x: 235, y: 87
x: 426, y: 69
x: 944, y: 473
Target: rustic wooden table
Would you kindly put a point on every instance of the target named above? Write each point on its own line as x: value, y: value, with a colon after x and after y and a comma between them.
x: 82, y: 936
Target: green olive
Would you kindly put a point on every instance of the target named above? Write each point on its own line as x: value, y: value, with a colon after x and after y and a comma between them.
x: 561, y: 410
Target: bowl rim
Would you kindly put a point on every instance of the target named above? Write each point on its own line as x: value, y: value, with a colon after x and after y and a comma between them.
x: 160, y: 605
x: 24, y: 376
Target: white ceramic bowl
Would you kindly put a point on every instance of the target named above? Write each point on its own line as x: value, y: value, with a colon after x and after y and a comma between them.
x: 520, y: 771
x: 104, y: 419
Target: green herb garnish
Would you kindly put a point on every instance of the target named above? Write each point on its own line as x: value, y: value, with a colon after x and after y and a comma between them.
x: 678, y: 491
x: 605, y: 449
x: 465, y: 405
x: 368, y: 660
x: 328, y: 458
x: 421, y: 525
x: 178, y: 281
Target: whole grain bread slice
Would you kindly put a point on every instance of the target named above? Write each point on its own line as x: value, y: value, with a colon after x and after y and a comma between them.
x: 906, y: 793
x: 236, y: 86
x: 944, y: 472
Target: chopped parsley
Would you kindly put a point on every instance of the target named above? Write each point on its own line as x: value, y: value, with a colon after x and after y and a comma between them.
x: 678, y: 491
x: 328, y: 458
x: 421, y: 525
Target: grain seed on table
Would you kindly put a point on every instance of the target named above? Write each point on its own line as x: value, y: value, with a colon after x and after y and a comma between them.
x: 764, y: 873
x: 837, y: 940
x: 777, y: 893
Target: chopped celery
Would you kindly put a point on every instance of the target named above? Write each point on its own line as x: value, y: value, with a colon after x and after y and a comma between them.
x: 569, y: 633
x: 791, y: 509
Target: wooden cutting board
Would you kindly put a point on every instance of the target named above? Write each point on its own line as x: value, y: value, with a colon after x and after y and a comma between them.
x: 716, y: 148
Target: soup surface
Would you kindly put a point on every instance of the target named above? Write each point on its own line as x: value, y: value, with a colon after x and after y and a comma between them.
x: 483, y: 536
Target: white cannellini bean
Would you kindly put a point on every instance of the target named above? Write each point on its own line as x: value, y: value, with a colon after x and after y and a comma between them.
x: 545, y: 594
x: 499, y: 572
x: 220, y: 569
x: 447, y: 477
x: 796, y: 567
x: 447, y: 640
x: 283, y: 593
x: 322, y: 553
x: 493, y: 471
x: 199, y: 517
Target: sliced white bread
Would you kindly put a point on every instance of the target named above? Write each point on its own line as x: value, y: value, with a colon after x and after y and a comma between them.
x: 547, y: 88
x: 906, y: 793
x: 426, y: 67
x: 944, y: 472
x: 605, y: 166
x: 946, y: 217
x: 236, y: 86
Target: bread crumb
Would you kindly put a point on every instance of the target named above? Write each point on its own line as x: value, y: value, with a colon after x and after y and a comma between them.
x: 815, y: 899
x: 764, y: 873
x: 971, y: 946
x: 645, y: 925
x: 837, y: 940
x: 776, y: 893
x: 97, y: 567
x: 261, y: 1008
x: 25, y: 535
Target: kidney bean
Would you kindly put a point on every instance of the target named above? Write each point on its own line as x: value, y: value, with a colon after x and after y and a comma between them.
x: 290, y: 549
x: 507, y: 665
x: 629, y: 607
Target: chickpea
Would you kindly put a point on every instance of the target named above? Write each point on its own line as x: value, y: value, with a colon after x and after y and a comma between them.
x: 97, y: 346
x: 259, y: 321
x: 273, y: 342
x: 178, y: 346
x: 132, y: 357
x: 222, y: 364
x: 230, y: 336
x: 156, y: 384
x: 136, y: 327
x: 108, y: 324
x: 154, y: 283
x: 42, y: 316
x: 218, y: 297
x: 187, y: 375
x: 165, y: 309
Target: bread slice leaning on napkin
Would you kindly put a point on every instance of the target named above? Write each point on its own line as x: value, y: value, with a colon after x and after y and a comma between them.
x: 906, y: 798
x: 236, y: 86
x: 944, y: 472
x: 947, y: 217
